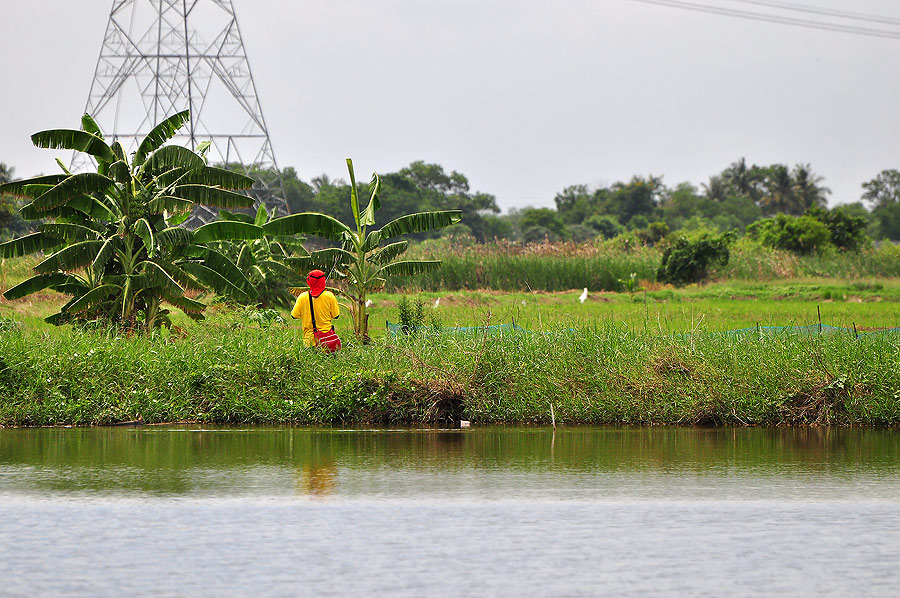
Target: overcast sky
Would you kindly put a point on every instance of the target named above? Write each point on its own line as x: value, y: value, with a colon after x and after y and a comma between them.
x: 525, y: 97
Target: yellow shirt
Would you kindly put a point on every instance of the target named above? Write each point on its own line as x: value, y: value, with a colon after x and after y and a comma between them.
x: 327, y: 309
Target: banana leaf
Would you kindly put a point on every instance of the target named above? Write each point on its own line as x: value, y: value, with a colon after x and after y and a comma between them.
x: 27, y: 245
x: 420, y: 223
x: 37, y: 283
x: 368, y: 215
x: 159, y: 135
x: 213, y: 197
x: 219, y: 177
x: 90, y: 125
x: 227, y: 230
x: 72, y: 139
x: 216, y: 281
x: 93, y: 297
x: 389, y: 253
x: 75, y: 185
x: 71, y: 257
x: 17, y: 188
x: 307, y: 223
x: 159, y: 277
x: 68, y: 232
x: 174, y: 236
x: 142, y: 229
x: 170, y: 157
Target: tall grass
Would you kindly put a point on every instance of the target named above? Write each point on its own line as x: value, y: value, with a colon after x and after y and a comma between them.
x: 603, y: 375
x: 563, y: 266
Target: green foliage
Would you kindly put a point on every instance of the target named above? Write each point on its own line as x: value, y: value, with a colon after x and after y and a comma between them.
x: 250, y: 375
x: 688, y: 262
x: 411, y: 315
x: 263, y: 258
x: 606, y: 226
x: 115, y: 249
x: 631, y: 285
x: 539, y: 224
x: 364, y: 262
x: 847, y: 232
x: 883, y: 195
x: 264, y: 318
x: 800, y: 234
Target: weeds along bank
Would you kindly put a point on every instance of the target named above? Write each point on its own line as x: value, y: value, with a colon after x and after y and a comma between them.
x: 562, y: 266
x: 602, y: 375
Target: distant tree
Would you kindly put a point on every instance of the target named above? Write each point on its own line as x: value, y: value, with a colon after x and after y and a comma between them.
x: 779, y: 194
x: 717, y: 189
x: 639, y: 196
x: 746, y: 181
x: 433, y: 177
x: 807, y: 189
x: 606, y: 226
x: 7, y: 202
x: 883, y: 194
x: 545, y: 219
x: 299, y: 195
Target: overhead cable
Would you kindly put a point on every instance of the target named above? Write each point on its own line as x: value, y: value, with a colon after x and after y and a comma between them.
x: 827, y: 12
x: 775, y: 18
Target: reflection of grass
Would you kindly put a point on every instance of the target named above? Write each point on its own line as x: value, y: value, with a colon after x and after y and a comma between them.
x: 601, y: 373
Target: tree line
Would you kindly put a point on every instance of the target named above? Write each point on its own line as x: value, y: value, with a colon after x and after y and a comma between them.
x: 734, y: 199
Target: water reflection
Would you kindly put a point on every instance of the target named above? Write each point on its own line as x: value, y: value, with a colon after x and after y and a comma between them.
x: 490, y: 462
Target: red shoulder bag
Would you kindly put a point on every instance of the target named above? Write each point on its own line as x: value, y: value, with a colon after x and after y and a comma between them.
x: 327, y: 340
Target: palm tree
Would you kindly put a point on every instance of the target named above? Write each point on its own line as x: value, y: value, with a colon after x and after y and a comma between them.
x: 115, y: 244
x: 716, y: 189
x: 780, y: 195
x: 809, y: 193
x: 743, y: 179
x: 362, y: 262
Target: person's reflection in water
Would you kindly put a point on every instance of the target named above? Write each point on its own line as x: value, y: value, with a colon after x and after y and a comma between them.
x: 318, y: 479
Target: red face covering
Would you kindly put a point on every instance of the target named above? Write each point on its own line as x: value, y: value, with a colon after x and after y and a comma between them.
x: 316, y: 282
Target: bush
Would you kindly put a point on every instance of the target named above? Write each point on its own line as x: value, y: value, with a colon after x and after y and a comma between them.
x: 685, y: 261
x: 800, y: 234
x: 848, y: 232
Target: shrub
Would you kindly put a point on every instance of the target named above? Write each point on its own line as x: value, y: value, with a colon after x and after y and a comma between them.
x: 800, y: 234
x: 685, y: 261
x: 847, y: 231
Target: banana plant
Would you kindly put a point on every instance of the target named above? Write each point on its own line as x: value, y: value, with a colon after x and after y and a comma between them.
x: 262, y: 259
x: 114, y: 242
x: 364, y: 261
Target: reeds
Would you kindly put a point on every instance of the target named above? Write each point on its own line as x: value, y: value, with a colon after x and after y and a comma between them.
x: 564, y: 266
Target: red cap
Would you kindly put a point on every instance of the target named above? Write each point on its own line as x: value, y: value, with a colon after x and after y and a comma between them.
x: 316, y: 282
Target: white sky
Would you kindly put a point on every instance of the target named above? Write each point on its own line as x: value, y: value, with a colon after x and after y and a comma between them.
x: 525, y: 97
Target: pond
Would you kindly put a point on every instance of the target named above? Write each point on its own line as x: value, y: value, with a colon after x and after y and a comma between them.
x: 496, y: 511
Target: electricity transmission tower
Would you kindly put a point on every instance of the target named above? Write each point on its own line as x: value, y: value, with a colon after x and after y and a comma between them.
x: 160, y: 57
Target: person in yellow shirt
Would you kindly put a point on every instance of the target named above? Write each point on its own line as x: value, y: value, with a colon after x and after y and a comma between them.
x: 325, y: 305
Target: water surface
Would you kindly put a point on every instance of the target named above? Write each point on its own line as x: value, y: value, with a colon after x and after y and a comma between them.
x: 500, y: 511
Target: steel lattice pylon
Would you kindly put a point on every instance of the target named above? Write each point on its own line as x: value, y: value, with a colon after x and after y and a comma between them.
x: 160, y: 57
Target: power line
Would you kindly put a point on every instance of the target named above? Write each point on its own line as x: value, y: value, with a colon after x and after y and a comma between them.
x: 774, y: 18
x: 853, y: 16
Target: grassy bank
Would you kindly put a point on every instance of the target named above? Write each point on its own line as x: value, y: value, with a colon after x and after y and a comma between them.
x: 603, y: 375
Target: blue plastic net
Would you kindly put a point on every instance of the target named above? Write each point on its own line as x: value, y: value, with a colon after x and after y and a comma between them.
x: 496, y: 330
x: 510, y: 329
